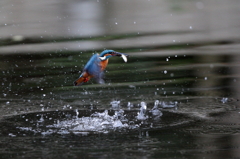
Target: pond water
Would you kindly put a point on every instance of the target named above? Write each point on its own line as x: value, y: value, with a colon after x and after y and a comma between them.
x: 176, y: 97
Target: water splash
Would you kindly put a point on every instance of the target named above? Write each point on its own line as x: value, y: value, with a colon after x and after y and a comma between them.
x: 224, y: 100
x: 129, y: 105
x: 97, y: 122
x: 155, y: 110
x: 142, y: 114
x: 115, y: 104
x: 41, y: 119
x: 169, y: 104
x: 87, y: 121
x: 77, y: 113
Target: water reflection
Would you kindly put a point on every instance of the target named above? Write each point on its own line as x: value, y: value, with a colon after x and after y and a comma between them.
x: 183, y: 53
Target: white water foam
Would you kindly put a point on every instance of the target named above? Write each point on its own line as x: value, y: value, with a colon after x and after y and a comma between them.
x: 102, y: 121
x: 97, y: 122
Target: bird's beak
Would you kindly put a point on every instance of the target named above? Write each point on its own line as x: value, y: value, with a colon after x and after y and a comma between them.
x: 124, y: 56
x: 118, y: 54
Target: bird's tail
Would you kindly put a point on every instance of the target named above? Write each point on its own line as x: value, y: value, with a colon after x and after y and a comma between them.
x: 80, y: 81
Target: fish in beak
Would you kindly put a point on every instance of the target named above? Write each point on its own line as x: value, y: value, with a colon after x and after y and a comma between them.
x: 124, y: 56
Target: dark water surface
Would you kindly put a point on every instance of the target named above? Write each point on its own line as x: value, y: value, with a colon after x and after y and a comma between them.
x: 184, y: 54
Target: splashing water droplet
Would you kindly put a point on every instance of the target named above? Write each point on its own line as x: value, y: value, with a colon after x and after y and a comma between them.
x: 224, y: 100
x: 129, y: 105
x: 41, y: 119
x: 115, y: 103
x: 77, y: 113
x: 142, y: 114
x: 155, y: 110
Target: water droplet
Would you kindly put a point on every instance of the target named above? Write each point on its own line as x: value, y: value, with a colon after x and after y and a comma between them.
x: 41, y: 119
x: 129, y: 104
x: 115, y: 103
x: 142, y: 114
x: 205, y: 78
x: 190, y: 27
x: 165, y: 71
x: 77, y: 113
x: 224, y: 100
x: 11, y: 134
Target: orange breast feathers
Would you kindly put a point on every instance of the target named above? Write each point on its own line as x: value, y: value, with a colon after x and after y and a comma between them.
x: 104, y: 63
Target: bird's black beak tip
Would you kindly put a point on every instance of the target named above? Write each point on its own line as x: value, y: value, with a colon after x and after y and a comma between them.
x: 120, y: 54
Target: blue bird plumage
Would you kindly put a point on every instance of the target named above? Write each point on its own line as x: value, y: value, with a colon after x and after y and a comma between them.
x: 96, y: 65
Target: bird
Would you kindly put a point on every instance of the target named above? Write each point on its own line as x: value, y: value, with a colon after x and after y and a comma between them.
x: 96, y: 65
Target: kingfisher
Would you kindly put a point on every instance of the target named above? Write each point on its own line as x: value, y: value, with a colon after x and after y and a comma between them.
x: 96, y: 65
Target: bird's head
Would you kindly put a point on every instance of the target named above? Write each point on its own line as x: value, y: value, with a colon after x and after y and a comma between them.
x: 106, y: 54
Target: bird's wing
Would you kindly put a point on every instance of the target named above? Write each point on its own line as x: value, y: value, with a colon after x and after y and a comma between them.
x: 93, y: 68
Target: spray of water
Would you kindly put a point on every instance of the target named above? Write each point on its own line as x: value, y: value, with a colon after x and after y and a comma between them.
x: 102, y: 121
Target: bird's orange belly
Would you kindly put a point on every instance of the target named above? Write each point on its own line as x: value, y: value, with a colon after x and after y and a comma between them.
x: 104, y: 64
